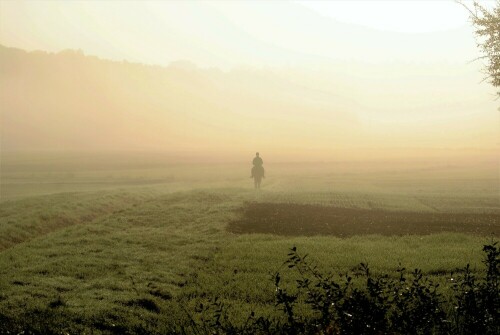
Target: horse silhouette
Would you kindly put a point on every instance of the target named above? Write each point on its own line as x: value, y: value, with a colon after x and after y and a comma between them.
x: 257, y: 175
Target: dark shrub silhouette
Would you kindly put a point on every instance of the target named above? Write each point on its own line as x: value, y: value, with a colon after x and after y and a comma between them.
x: 409, y: 304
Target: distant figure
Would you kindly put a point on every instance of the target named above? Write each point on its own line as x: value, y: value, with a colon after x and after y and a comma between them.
x: 257, y: 170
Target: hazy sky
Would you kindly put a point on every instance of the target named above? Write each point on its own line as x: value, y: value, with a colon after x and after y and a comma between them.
x: 400, y: 16
x: 401, y: 71
x: 225, y: 34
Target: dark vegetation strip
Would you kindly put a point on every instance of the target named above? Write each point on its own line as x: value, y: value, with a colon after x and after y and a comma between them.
x: 97, y: 182
x: 302, y: 219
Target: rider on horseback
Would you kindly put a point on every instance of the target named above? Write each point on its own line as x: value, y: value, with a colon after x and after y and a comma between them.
x: 257, y: 166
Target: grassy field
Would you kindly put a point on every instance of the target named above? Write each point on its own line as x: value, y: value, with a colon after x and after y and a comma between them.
x: 104, y: 247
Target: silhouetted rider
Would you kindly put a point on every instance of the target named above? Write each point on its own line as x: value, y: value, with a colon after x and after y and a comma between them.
x: 257, y: 169
x: 257, y: 161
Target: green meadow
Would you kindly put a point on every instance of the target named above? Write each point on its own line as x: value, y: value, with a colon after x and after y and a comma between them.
x: 106, y: 246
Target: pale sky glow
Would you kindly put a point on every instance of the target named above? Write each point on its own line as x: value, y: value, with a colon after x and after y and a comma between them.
x: 231, y: 33
x: 318, y: 76
x: 400, y: 16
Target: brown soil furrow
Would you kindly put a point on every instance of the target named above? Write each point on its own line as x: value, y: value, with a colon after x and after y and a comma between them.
x: 301, y: 219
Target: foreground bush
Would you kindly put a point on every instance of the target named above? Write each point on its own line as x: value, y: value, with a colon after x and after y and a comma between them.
x: 409, y: 304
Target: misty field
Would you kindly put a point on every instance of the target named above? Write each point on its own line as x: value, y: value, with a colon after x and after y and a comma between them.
x: 99, y: 244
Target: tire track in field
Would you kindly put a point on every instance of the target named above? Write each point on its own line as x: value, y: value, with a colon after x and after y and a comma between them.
x: 426, y: 204
x: 24, y: 220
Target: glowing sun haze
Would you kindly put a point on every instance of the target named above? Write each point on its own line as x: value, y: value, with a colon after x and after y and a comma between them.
x: 401, y: 16
x: 326, y: 79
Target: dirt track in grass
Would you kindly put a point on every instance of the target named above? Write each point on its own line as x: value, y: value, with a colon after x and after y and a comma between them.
x: 307, y: 220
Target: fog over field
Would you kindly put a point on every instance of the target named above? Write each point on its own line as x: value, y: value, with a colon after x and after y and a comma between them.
x: 132, y: 199
x: 71, y: 102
